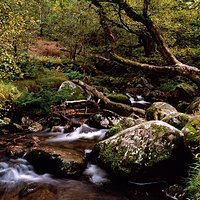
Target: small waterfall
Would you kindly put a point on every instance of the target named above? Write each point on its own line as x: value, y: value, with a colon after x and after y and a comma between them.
x: 97, y: 175
x: 138, y: 100
x: 19, y: 170
x: 82, y: 132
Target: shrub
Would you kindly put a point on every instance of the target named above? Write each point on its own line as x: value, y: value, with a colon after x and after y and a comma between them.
x: 73, y: 74
x: 39, y: 104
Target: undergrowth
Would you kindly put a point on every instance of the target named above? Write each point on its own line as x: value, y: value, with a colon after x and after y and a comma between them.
x: 193, y: 182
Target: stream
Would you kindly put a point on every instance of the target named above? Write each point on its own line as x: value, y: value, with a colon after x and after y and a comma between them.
x: 19, y: 180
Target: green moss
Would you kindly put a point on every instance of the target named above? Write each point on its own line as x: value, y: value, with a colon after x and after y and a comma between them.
x: 111, y: 156
x: 114, y: 130
x: 191, y: 130
x: 121, y: 98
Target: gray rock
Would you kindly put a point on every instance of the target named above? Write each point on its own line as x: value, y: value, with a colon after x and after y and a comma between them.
x: 178, y: 120
x: 105, y: 119
x: 75, y: 92
x: 159, y: 110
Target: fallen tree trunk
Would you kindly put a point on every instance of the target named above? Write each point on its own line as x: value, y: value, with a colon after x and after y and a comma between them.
x: 119, y: 108
x: 193, y: 73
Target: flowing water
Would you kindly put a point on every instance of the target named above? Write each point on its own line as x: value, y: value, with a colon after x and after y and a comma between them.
x: 19, y: 181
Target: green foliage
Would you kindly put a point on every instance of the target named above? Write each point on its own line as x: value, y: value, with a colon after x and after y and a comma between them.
x: 8, y: 94
x: 193, y: 183
x: 73, y: 74
x: 39, y: 78
x: 39, y: 103
x: 171, y: 85
x: 14, y: 23
x: 168, y: 86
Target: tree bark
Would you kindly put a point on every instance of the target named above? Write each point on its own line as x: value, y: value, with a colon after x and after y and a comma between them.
x: 119, y: 108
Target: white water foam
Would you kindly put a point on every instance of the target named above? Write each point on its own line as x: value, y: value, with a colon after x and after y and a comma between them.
x: 97, y: 175
x: 137, y: 100
x: 82, y: 132
x: 18, y: 170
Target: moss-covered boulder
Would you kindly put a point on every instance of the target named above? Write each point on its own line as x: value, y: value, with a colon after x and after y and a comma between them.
x: 159, y: 110
x: 178, y: 120
x: 194, y: 106
x: 55, y: 160
x: 152, y: 150
x: 191, y: 132
x: 118, y: 97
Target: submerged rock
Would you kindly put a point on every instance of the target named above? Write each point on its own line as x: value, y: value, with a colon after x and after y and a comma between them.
x: 152, y: 150
x: 159, y: 110
x: 56, y: 161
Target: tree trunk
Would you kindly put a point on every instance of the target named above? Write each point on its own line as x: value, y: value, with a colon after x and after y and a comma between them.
x: 119, y: 108
x: 148, y: 43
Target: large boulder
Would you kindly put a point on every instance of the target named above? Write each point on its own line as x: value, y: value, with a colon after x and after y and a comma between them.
x: 159, y: 110
x: 152, y: 150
